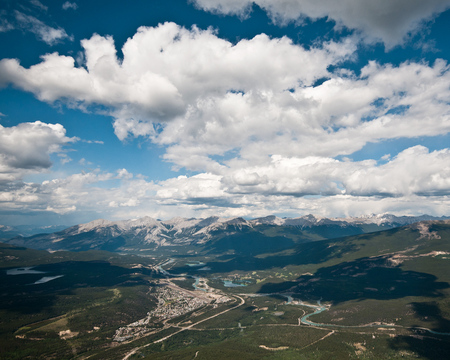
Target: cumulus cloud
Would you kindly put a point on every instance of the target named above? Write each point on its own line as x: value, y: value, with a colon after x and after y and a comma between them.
x: 414, y: 182
x: 198, y: 188
x: 250, y: 118
x: 85, y: 192
x: 390, y: 21
x: 27, y: 147
x: 167, y: 70
x: 338, y: 117
x: 413, y: 172
x: 190, y: 91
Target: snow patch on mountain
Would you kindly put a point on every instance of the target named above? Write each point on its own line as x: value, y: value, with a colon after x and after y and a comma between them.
x: 99, y: 223
x: 144, y: 232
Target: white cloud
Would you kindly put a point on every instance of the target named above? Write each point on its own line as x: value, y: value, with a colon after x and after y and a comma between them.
x: 27, y: 147
x: 202, y: 187
x: 39, y: 5
x: 83, y: 192
x: 414, y: 171
x: 338, y: 117
x: 99, y: 142
x: 390, y: 21
x: 261, y: 134
x: 64, y: 158
x: 42, y: 31
x: 206, y: 195
x: 167, y: 70
x: 124, y: 174
x: 191, y: 91
x: 69, y: 5
x: 416, y: 181
x: 346, y: 205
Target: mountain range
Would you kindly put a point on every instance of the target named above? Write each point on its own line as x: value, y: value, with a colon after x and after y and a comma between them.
x: 214, y: 234
x: 7, y: 231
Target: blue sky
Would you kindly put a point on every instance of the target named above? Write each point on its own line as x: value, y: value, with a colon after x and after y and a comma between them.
x: 232, y: 108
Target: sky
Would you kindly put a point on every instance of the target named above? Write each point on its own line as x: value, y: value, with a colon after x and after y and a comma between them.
x: 197, y: 108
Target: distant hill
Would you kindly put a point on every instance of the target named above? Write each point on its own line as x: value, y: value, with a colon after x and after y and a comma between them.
x: 213, y: 234
x: 426, y: 239
x: 8, y: 232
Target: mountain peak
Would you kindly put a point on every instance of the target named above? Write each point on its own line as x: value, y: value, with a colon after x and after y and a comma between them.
x: 93, y: 224
x: 132, y: 235
x: 236, y: 221
x: 144, y: 221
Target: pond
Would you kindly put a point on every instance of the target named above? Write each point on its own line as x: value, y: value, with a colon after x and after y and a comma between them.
x: 229, y: 283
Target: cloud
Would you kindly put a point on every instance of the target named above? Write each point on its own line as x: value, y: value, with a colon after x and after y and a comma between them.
x: 124, y: 174
x: 5, y: 23
x: 261, y: 133
x: 413, y: 172
x: 389, y: 21
x: 64, y: 158
x: 93, y: 142
x: 39, y: 5
x: 203, y: 187
x: 42, y: 31
x: 414, y: 182
x: 167, y: 70
x: 27, y: 147
x: 69, y: 5
x: 82, y: 192
x: 190, y: 91
x: 18, y: 15
x: 338, y: 117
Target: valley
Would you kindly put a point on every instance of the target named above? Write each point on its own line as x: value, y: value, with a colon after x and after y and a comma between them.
x: 379, y: 295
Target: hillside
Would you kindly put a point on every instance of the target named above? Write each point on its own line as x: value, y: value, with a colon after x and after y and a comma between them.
x: 216, y: 234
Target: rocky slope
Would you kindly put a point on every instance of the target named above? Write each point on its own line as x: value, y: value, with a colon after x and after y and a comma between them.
x: 149, y: 233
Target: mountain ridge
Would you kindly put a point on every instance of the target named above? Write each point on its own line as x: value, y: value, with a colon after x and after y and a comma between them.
x: 145, y: 232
